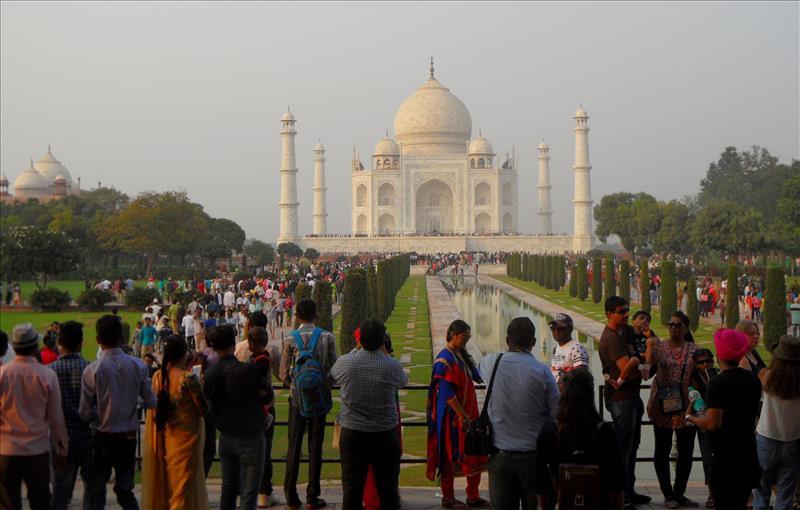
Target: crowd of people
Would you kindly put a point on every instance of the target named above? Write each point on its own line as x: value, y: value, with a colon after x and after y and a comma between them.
x: 203, y: 386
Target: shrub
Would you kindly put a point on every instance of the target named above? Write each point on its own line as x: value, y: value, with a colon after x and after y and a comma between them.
x: 141, y: 297
x: 774, y: 307
x: 732, y: 297
x: 354, y: 308
x: 303, y: 291
x: 692, y: 310
x: 669, y: 291
x: 372, y: 286
x: 573, y: 281
x: 625, y: 279
x: 609, y: 284
x: 241, y: 275
x: 644, y: 286
x: 583, y: 290
x: 597, y: 282
x: 94, y: 299
x: 50, y: 300
x: 322, y: 297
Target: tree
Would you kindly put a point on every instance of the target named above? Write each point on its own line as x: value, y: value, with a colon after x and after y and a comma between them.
x: 290, y: 250
x: 372, y: 287
x: 583, y: 291
x: 597, y: 282
x: 354, y: 308
x: 322, y: 297
x: 610, y: 286
x: 382, y: 287
x: 669, y: 291
x: 635, y: 218
x: 784, y: 232
x: 732, y: 297
x: 774, y: 307
x: 311, y: 254
x: 625, y: 279
x: 728, y: 228
x: 225, y: 237
x: 259, y: 252
x: 644, y: 286
x: 692, y: 310
x: 33, y: 252
x: 671, y: 237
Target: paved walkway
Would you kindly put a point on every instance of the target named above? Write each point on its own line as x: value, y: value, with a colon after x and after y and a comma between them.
x: 413, y: 498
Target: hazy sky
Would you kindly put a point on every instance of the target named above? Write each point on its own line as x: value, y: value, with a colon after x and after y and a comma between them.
x: 157, y: 96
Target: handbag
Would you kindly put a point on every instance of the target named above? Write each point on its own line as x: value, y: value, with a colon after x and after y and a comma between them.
x: 579, y: 482
x: 671, y: 395
x: 478, y: 437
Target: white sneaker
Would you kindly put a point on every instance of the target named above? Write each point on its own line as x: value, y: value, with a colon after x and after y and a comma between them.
x: 268, y: 500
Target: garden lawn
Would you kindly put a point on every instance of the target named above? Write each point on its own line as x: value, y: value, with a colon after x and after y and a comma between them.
x: 703, y: 336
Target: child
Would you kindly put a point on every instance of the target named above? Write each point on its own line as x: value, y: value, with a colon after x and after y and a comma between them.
x: 137, y: 340
x: 704, y: 371
x: 152, y: 364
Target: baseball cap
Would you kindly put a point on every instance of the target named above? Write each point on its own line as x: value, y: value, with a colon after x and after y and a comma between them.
x: 561, y: 317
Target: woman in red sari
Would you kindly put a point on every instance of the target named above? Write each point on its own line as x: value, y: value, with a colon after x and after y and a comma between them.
x: 452, y: 404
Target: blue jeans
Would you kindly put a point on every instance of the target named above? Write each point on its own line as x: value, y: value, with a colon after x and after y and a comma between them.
x: 64, y: 481
x: 780, y: 465
x: 627, y: 418
x: 242, y: 462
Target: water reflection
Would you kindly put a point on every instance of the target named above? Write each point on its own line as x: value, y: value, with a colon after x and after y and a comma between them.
x: 489, y: 310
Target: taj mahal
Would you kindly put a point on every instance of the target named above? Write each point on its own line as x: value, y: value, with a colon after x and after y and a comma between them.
x: 435, y: 188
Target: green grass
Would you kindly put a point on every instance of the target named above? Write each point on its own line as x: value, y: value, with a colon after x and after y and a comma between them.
x: 703, y: 336
x: 74, y: 287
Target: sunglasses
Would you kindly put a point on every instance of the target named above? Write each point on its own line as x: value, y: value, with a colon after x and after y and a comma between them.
x: 675, y: 325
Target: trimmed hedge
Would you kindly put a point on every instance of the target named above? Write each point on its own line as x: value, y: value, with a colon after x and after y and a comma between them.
x: 94, y: 300
x: 372, y: 287
x: 303, y: 291
x: 644, y: 286
x: 609, y: 285
x: 597, y: 282
x: 625, y: 279
x: 774, y: 307
x: 322, y: 298
x: 140, y: 297
x: 582, y: 284
x: 692, y: 310
x: 732, y: 297
x: 669, y: 291
x: 50, y: 300
x: 354, y: 308
x: 573, y: 281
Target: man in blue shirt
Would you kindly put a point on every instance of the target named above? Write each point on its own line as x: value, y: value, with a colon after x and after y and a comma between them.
x: 524, y: 397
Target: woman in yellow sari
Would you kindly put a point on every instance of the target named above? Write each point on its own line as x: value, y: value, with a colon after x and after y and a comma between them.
x: 172, y: 475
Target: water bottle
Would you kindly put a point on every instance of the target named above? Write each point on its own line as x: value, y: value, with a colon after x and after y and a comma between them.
x: 698, y: 404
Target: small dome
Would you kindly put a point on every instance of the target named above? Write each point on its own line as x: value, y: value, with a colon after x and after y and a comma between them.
x: 581, y: 113
x: 543, y: 146
x: 3, y: 179
x: 31, y: 180
x: 61, y: 179
x: 479, y: 145
x: 287, y: 116
x: 49, y: 167
x: 319, y: 147
x: 387, y: 147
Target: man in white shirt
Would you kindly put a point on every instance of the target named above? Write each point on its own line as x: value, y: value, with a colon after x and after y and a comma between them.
x: 188, y: 328
x: 229, y: 299
x: 569, y: 354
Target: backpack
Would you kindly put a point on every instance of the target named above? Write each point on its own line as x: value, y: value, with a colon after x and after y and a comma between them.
x: 579, y: 482
x: 309, y: 378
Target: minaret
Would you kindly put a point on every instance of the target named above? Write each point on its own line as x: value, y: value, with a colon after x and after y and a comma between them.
x: 320, y: 209
x: 288, y: 203
x: 582, y: 200
x: 545, y: 211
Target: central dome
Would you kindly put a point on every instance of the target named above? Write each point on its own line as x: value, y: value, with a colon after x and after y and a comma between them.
x: 433, y: 117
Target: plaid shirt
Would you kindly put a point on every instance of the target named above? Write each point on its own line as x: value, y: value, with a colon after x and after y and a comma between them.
x: 69, y: 369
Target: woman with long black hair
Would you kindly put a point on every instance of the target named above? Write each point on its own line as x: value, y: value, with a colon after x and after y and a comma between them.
x: 172, y: 475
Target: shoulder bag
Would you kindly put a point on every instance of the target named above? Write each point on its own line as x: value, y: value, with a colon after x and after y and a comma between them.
x: 670, y: 396
x: 478, y: 439
x: 579, y: 481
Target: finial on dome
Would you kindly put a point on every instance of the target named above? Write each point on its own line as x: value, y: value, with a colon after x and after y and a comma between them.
x: 48, y: 149
x: 387, y: 133
x: 31, y: 162
x: 479, y: 132
x: 432, y: 77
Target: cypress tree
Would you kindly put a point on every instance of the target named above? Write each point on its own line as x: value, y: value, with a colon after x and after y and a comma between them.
x: 692, y: 310
x: 382, y: 287
x: 542, y: 270
x: 644, y: 286
x: 597, y: 282
x: 533, y: 271
x: 732, y: 297
x: 609, y: 286
x: 669, y: 291
x: 774, y: 306
x: 548, y: 272
x: 354, y: 308
x: 581, y: 284
x: 573, y: 281
x: 625, y: 279
x: 562, y: 272
x: 372, y: 285
x: 303, y: 291
x: 528, y: 267
x: 322, y: 298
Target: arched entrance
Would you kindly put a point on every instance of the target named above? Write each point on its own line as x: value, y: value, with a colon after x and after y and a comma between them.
x: 386, y: 224
x: 361, y: 224
x: 434, y: 208
x: 508, y: 223
x: 483, y: 223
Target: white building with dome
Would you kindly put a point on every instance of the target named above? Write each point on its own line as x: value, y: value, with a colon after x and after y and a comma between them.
x: 47, y: 179
x: 435, y: 188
